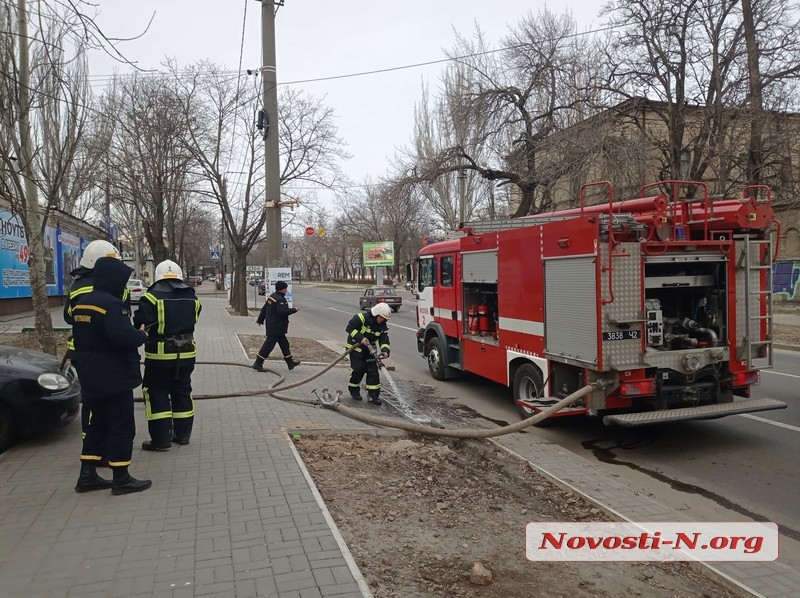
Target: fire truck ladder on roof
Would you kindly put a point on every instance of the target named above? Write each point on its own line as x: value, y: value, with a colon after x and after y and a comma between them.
x: 491, y: 226
x: 757, y: 256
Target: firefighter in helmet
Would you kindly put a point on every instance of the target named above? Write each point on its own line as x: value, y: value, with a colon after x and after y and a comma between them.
x: 169, y: 311
x: 106, y: 347
x: 83, y: 283
x: 364, y: 330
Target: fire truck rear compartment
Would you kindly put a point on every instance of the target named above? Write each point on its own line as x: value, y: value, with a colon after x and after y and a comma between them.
x: 684, y: 305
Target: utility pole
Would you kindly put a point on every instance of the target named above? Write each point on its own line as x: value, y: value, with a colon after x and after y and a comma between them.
x: 269, y: 79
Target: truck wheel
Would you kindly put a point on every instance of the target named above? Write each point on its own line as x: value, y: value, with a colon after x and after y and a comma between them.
x: 528, y: 386
x: 395, y: 309
x: 8, y: 428
x: 436, y: 359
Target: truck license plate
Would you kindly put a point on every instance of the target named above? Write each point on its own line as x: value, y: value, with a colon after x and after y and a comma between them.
x: 622, y: 335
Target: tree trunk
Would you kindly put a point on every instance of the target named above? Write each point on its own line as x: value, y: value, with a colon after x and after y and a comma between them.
x: 32, y: 219
x: 239, y: 291
x: 755, y: 156
x: 526, y: 202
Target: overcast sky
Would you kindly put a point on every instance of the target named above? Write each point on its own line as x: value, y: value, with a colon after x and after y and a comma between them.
x: 323, y: 38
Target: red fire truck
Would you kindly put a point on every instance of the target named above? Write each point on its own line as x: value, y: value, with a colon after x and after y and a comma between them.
x: 666, y: 297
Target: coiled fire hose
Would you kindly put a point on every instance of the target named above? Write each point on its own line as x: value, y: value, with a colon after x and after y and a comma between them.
x: 274, y: 388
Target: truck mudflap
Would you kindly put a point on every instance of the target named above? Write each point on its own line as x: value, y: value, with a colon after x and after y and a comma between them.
x: 630, y: 420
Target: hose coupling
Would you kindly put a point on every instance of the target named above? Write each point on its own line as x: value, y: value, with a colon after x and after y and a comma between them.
x: 327, y: 400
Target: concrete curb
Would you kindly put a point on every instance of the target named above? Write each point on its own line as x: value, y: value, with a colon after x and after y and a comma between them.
x: 348, y: 556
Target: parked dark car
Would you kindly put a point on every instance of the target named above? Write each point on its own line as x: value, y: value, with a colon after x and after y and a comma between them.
x: 34, y: 395
x: 384, y: 294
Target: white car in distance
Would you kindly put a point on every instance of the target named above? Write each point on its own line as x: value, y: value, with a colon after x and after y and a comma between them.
x: 136, y: 289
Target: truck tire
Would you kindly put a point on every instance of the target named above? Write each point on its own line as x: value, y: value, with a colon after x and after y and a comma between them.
x: 528, y: 386
x: 436, y: 363
x: 395, y: 308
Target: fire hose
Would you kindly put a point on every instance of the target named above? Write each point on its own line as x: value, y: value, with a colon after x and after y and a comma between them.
x: 275, y: 389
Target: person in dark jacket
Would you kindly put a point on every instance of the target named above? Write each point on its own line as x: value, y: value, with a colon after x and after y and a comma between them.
x: 107, y: 360
x: 364, y: 330
x: 275, y: 313
x: 82, y: 283
x: 169, y: 311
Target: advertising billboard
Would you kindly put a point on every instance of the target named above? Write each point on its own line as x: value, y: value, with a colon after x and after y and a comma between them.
x: 380, y: 253
x: 14, y: 278
x: 52, y: 261
x: 276, y: 274
x: 70, y: 253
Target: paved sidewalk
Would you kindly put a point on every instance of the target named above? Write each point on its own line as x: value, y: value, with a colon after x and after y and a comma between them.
x: 234, y: 513
x: 231, y: 514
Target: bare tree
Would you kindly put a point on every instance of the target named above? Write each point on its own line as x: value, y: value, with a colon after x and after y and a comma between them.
x: 383, y: 212
x: 693, y: 58
x: 66, y: 163
x: 148, y: 165
x: 440, y: 124
x: 225, y: 142
x: 537, y: 84
x: 43, y: 100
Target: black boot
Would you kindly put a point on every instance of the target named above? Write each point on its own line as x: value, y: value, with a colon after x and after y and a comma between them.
x: 355, y: 394
x: 124, y: 483
x: 258, y: 364
x: 89, y: 480
x: 183, y: 440
x: 150, y: 445
x: 291, y: 363
x: 375, y: 400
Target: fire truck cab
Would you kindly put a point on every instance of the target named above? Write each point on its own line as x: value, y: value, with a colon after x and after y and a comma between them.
x: 666, y: 297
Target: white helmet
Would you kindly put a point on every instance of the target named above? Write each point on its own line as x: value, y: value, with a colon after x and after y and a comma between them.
x: 95, y: 250
x: 168, y: 270
x: 381, y: 309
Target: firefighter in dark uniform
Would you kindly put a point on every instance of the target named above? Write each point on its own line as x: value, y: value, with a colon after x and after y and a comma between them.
x: 82, y: 283
x: 107, y: 360
x: 364, y: 330
x: 275, y: 313
x: 169, y: 310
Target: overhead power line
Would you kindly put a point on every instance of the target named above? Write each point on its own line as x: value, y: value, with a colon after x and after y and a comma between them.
x: 391, y: 68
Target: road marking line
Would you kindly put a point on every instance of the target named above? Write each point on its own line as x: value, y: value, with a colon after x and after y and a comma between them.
x: 341, y: 311
x: 771, y: 422
x: 779, y: 374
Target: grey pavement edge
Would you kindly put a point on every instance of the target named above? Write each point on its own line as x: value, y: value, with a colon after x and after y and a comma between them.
x: 235, y: 512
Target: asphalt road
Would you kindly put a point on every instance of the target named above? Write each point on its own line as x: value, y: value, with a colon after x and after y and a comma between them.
x: 735, y: 468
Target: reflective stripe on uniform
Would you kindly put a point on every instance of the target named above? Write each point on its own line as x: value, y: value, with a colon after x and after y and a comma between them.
x: 161, y: 355
x: 183, y: 414
x: 90, y: 307
x: 119, y: 463
x: 162, y: 320
x: 148, y: 410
